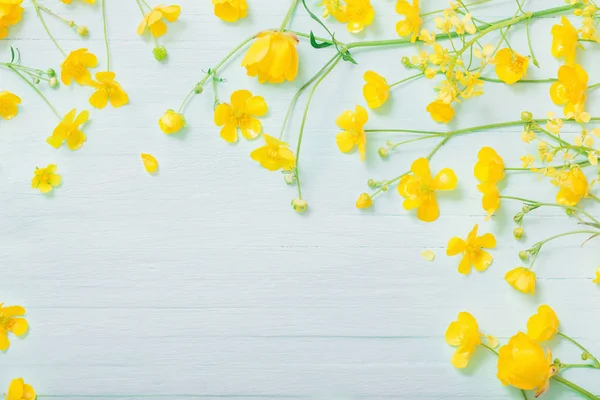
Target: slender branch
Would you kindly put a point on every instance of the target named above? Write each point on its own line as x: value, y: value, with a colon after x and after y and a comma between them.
x: 37, y: 91
x: 39, y: 14
x: 105, y: 36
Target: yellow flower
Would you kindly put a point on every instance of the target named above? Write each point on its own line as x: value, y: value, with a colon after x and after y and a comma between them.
x: 472, y: 251
x: 107, y: 89
x: 274, y: 155
x: 570, y: 88
x: 527, y: 160
x: 543, y: 325
x: 564, y: 41
x: 75, y: 67
x: 440, y: 111
x: 336, y: 9
x: 353, y: 134
x: 10, y: 323
x: 68, y: 130
x: 523, y: 363
x: 596, y: 280
x: 240, y: 114
x: 359, y: 13
x: 19, y: 390
x: 171, y: 122
x: 44, y: 179
x: 10, y: 14
x: 8, y: 105
x: 492, y: 341
x: 376, y: 90
x: 153, y: 20
x: 522, y: 279
x: 489, y: 167
x: 511, y: 67
x: 230, y: 10
x: 419, y: 189
x: 464, y: 334
x: 491, y: 198
x: 272, y: 57
x: 364, y: 201
x: 411, y: 24
x: 428, y: 255
x: 150, y: 163
x: 573, y: 186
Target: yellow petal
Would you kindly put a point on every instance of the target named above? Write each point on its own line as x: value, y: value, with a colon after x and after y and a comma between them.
x: 345, y: 141
x: 428, y: 210
x: 20, y: 326
x: 428, y: 255
x: 456, y: 246
x: 481, y: 260
x: 445, y: 180
x: 150, y: 163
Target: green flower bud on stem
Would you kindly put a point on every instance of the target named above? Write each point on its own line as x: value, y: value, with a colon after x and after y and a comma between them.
x: 299, y: 205
x: 160, y: 53
x: 51, y: 72
x: 523, y: 255
x: 526, y: 116
x: 518, y: 233
x: 384, y: 152
x: 198, y: 89
x: 53, y: 82
x: 82, y: 31
x: 519, y: 217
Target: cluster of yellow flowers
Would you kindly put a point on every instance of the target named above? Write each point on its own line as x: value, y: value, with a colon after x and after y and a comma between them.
x: 12, y: 321
x: 357, y: 14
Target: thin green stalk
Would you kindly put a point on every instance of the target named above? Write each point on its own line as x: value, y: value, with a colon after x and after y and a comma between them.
x: 146, y: 4
x: 567, y: 366
x: 533, y: 57
x: 105, y: 36
x: 539, y: 204
x: 475, y: 3
x: 412, y: 140
x: 586, y: 351
x: 538, y: 246
x: 39, y: 14
x: 38, y: 92
x: 406, y: 131
x: 594, y: 86
x: 580, y: 163
x: 141, y: 7
x: 287, y: 17
x: 438, y: 147
x: 385, y: 186
x: 494, y: 80
x: 575, y: 387
x: 50, y: 12
x: 406, y: 79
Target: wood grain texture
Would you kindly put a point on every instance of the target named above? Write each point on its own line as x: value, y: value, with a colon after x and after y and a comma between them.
x: 201, y: 282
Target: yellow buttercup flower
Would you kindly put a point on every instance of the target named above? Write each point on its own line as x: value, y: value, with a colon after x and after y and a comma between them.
x: 150, y: 163
x: 274, y: 155
x: 472, y: 251
x: 440, y: 111
x: 75, y: 67
x: 411, y: 24
x: 171, y: 122
x: 543, y: 325
x: 596, y: 280
x: 107, y: 89
x: 272, y: 57
x: 10, y: 322
x: 523, y: 363
x: 359, y: 13
x: 44, y: 179
x: 573, y: 186
x: 419, y: 189
x: 364, y: 201
x: 511, y: 67
x: 376, y: 90
x: 570, y: 89
x: 336, y: 9
x: 19, y: 390
x: 564, y: 41
x: 489, y: 167
x: 464, y: 334
x: 69, y: 130
x: 491, y: 198
x: 522, y: 279
x: 10, y: 14
x: 240, y: 114
x: 230, y: 10
x: 353, y: 134
x: 154, y: 20
x: 8, y: 105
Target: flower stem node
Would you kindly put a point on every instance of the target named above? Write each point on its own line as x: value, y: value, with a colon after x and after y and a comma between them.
x: 569, y: 212
x: 524, y: 255
x: 518, y: 233
x: 526, y: 116
x: 299, y: 205
x: 160, y: 53
x: 51, y: 72
x: 585, y: 356
x: 53, y: 82
x: 384, y: 152
x: 82, y: 31
x: 198, y: 89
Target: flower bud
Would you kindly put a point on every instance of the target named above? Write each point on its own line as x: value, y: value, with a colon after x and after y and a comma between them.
x: 518, y: 233
x: 383, y: 152
x: 569, y: 212
x: 526, y: 116
x: 171, y: 122
x: 36, y: 80
x: 519, y: 217
x: 82, y: 31
x: 290, y: 179
x: 406, y: 61
x: 198, y: 89
x: 53, y: 82
x: 430, y: 73
x: 364, y: 201
x: 160, y: 53
x: 71, y: 23
x: 51, y: 72
x: 585, y: 356
x: 523, y: 255
x: 526, y: 209
x: 299, y: 205
x: 372, y: 183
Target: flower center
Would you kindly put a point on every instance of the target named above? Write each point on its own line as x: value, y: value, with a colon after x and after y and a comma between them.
x: 77, y: 69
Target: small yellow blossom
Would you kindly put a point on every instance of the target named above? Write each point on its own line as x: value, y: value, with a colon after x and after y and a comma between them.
x: 171, y: 122
x: 272, y: 57
x: 107, y: 89
x: 511, y: 67
x: 359, y: 14
x: 596, y: 280
x: 44, y: 179
x: 472, y: 251
x: 543, y: 325
x: 485, y: 54
x: 554, y: 125
x: 564, y: 41
x: 230, y: 10
x: 19, y: 390
x: 69, y: 130
x: 522, y: 279
x: 448, y: 91
x: 411, y: 24
x: 523, y: 363
x: 75, y: 67
x: 150, y: 163
x: 240, y: 115
x: 570, y: 89
x: 154, y: 20
x: 440, y: 111
x: 573, y: 186
x: 527, y: 135
x: 489, y: 167
x: 10, y: 14
x: 376, y: 90
x: 418, y: 189
x: 492, y: 341
x: 440, y: 57
x: 491, y: 198
x: 8, y: 105
x: 463, y: 334
x: 336, y: 9
x: 274, y: 155
x: 353, y: 134
x: 588, y: 29
x: 428, y: 255
x: 527, y: 160
x: 427, y: 37
x: 10, y: 322
x: 364, y: 201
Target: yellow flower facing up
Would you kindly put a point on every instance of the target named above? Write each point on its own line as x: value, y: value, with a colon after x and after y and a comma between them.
x: 171, y: 122
x: 230, y: 10
x: 522, y: 279
x: 596, y: 280
x: 463, y: 334
x: 570, y: 89
x: 411, y: 24
x: 107, y: 89
x: 359, y: 14
x: 240, y: 115
x: 153, y: 20
x: 19, y: 390
x: 564, y: 41
x: 511, y: 67
x: 10, y: 322
x: 472, y: 251
x: 364, y: 201
x: 11, y: 13
x: 69, y: 130
x: 9, y: 105
x: 441, y: 111
x: 274, y: 155
x: 150, y: 163
x: 75, y: 67
x: 543, y: 325
x: 272, y: 57
x: 376, y: 90
x: 353, y: 134
x: 523, y: 363
x: 418, y: 189
x: 44, y: 179
x: 573, y: 186
x: 489, y: 167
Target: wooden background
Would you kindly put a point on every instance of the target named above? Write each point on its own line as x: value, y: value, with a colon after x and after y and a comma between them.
x: 202, y: 282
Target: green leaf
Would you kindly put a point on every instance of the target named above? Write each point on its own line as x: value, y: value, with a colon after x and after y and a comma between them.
x: 348, y: 57
x: 317, y: 45
x: 12, y: 54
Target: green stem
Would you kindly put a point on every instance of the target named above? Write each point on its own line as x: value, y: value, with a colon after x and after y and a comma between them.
x: 576, y: 343
x: 38, y: 92
x: 575, y: 387
x: 288, y: 15
x: 533, y: 57
x: 549, y: 80
x: 594, y: 86
x: 438, y: 147
x: 489, y: 348
x: 580, y: 163
x: 412, y: 140
x: 385, y: 184
x: 406, y: 79
x: 538, y: 204
x: 540, y: 244
x: 39, y: 14
x: 146, y: 4
x: 141, y: 8
x: 406, y: 131
x: 50, y: 12
x: 105, y: 36
x: 566, y: 366
x: 475, y: 3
